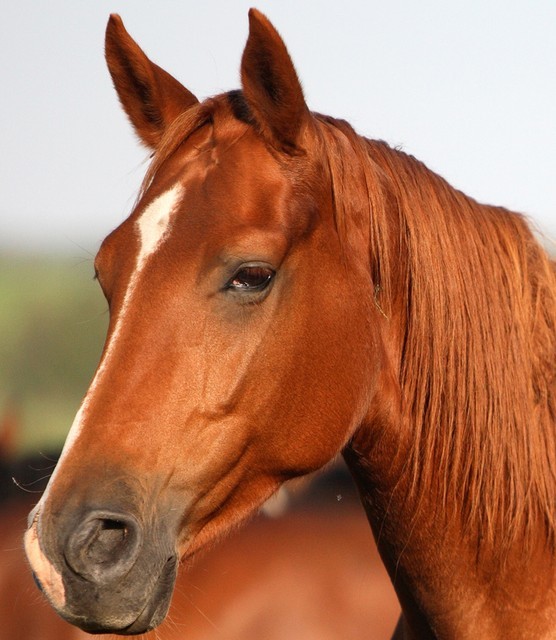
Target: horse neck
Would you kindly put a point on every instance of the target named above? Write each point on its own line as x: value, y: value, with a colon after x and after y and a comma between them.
x: 448, y: 584
x: 456, y: 466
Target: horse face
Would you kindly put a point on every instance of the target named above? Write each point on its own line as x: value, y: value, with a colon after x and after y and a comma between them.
x: 237, y: 356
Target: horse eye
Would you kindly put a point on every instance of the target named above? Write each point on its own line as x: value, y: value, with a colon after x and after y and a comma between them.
x: 251, y: 279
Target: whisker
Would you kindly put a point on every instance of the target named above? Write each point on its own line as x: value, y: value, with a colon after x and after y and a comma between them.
x: 23, y: 487
x: 199, y: 611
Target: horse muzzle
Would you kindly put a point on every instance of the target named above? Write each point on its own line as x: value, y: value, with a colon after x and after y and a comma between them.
x: 103, y: 570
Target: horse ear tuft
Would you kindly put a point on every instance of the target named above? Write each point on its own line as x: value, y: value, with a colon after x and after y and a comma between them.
x: 150, y: 96
x: 271, y: 86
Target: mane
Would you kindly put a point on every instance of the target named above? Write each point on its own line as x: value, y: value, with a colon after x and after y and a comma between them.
x: 475, y: 298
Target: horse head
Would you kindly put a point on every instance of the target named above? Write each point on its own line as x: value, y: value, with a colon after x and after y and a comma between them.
x: 244, y: 346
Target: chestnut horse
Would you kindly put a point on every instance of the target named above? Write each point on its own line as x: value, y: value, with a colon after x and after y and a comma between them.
x: 312, y: 572
x: 286, y: 290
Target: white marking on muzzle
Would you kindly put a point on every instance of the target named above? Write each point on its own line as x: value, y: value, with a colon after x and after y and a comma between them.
x: 49, y: 578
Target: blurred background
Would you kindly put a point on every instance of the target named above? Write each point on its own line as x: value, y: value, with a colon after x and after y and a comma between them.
x: 468, y: 86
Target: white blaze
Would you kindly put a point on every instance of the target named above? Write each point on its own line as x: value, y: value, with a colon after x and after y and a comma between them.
x: 152, y: 227
x: 49, y: 578
x: 154, y: 223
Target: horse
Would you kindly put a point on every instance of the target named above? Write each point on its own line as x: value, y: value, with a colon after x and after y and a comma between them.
x: 313, y: 571
x: 286, y: 290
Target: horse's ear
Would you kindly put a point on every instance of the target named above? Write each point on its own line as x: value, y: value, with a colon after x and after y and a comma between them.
x: 271, y: 86
x: 151, y: 97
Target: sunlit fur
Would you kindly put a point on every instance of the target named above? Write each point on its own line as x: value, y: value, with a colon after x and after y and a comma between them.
x: 475, y: 298
x: 409, y: 328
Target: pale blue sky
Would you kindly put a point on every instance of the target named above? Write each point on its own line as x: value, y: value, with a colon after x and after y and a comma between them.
x: 467, y: 86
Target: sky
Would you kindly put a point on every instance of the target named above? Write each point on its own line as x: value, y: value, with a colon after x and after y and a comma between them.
x: 467, y: 86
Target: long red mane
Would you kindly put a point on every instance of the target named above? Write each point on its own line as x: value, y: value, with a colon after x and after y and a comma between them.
x: 474, y: 295
x: 475, y: 298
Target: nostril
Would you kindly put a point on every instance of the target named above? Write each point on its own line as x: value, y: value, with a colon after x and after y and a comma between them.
x: 108, y: 540
x: 104, y: 546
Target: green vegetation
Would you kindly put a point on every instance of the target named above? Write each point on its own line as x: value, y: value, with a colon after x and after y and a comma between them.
x: 53, y: 319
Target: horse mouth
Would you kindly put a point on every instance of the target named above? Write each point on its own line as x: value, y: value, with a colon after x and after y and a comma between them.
x: 157, y: 607
x: 150, y: 616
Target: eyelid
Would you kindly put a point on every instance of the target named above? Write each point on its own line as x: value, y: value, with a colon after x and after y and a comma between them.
x: 255, y: 247
x: 233, y: 267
